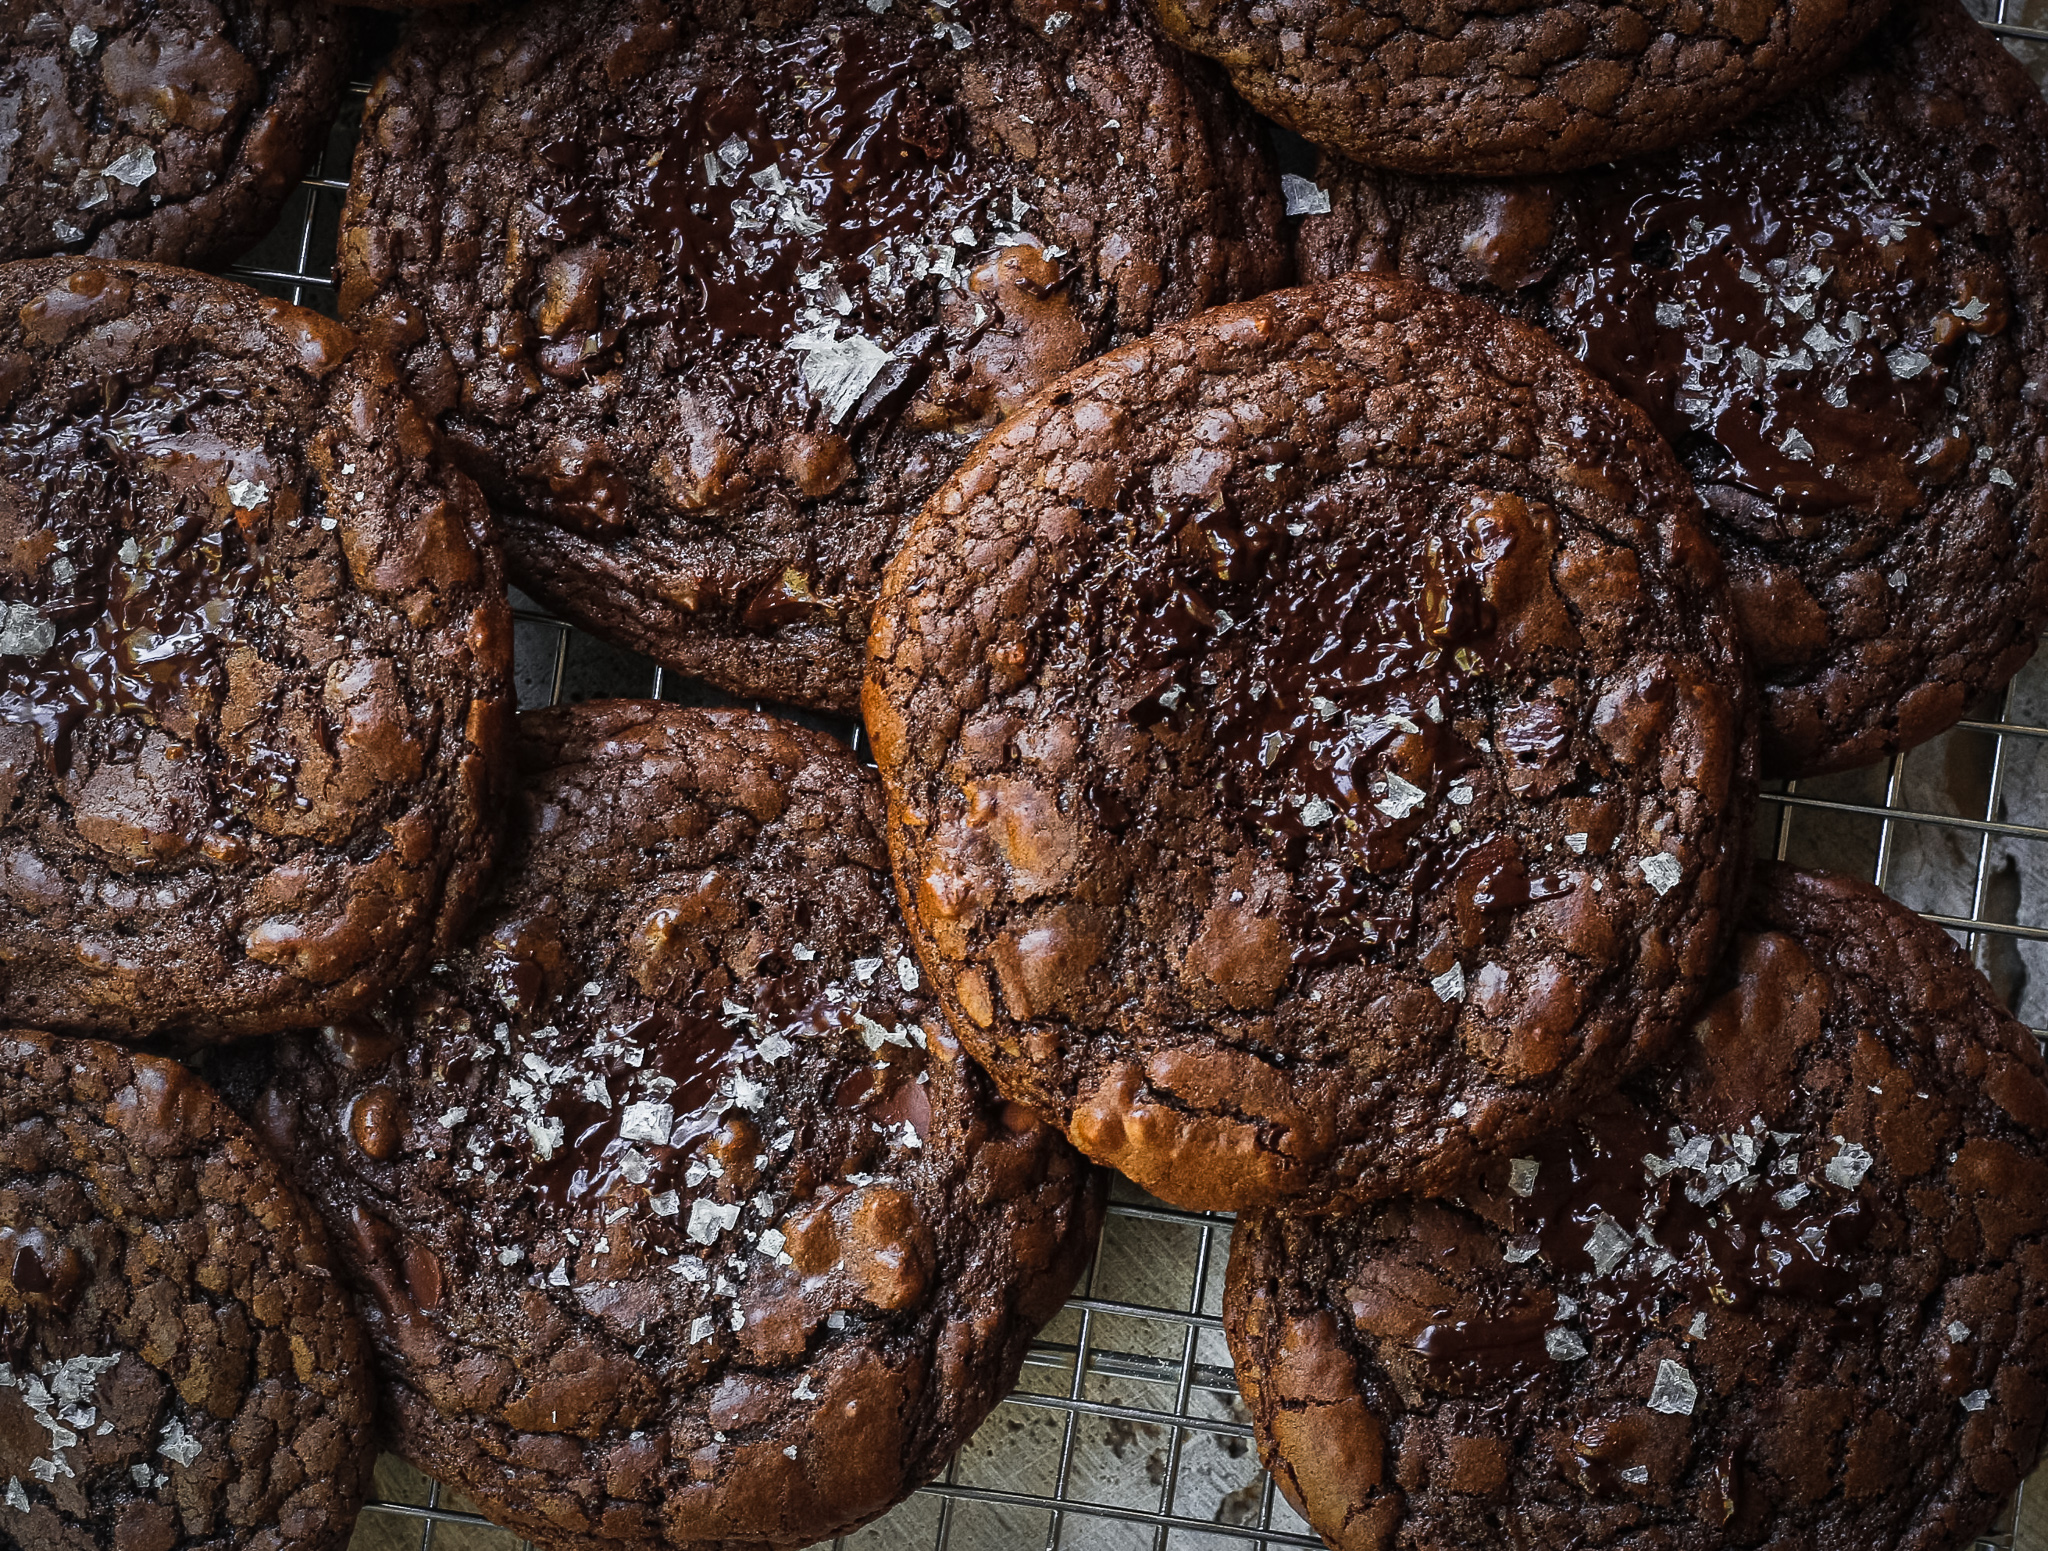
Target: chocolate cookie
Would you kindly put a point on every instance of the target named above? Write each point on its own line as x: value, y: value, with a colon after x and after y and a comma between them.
x: 1838, y: 313
x: 1317, y: 745
x: 171, y: 130
x: 1788, y: 1290
x: 255, y: 661
x: 1487, y: 89
x: 685, y: 1222
x: 178, y: 1365
x: 714, y: 297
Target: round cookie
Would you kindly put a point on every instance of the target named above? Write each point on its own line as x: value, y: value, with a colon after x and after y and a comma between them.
x: 1489, y: 90
x: 713, y: 297
x: 255, y: 661
x: 170, y: 130
x: 1317, y: 745
x: 1838, y: 314
x: 683, y: 1220
x: 178, y: 1365
x: 1787, y: 1290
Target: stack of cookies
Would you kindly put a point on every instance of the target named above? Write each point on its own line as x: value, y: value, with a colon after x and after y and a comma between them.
x: 1318, y: 735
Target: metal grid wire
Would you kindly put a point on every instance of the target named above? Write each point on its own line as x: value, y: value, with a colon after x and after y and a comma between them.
x: 1127, y: 1430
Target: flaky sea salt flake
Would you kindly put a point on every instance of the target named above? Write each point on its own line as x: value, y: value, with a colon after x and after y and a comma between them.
x: 1522, y: 1175
x: 1906, y: 363
x: 133, y: 168
x: 1608, y: 1246
x: 647, y: 1121
x: 1848, y: 1166
x: 1304, y: 196
x: 1662, y: 870
x: 1564, y: 1345
x: 1403, y: 797
x: 1674, y: 1393
x: 708, y: 1220
x: 177, y: 1445
x: 837, y: 372
x: 1450, y: 985
x: 24, y: 632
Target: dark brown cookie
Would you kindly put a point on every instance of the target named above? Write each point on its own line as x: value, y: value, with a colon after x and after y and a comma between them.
x: 714, y: 297
x: 1790, y: 1290
x: 171, y: 130
x: 1480, y: 88
x: 1838, y: 313
x: 1317, y: 744
x: 179, y: 1368
x: 684, y: 1221
x: 255, y: 661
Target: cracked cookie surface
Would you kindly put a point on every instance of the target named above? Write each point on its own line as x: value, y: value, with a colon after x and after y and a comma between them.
x: 1790, y: 1288
x: 1838, y: 313
x: 714, y: 296
x: 169, y: 130
x: 179, y: 1367
x: 255, y: 661
x: 1317, y: 744
x: 682, y: 1220
x: 1483, y: 89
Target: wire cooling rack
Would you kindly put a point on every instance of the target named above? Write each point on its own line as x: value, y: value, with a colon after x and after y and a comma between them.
x: 1127, y: 1432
